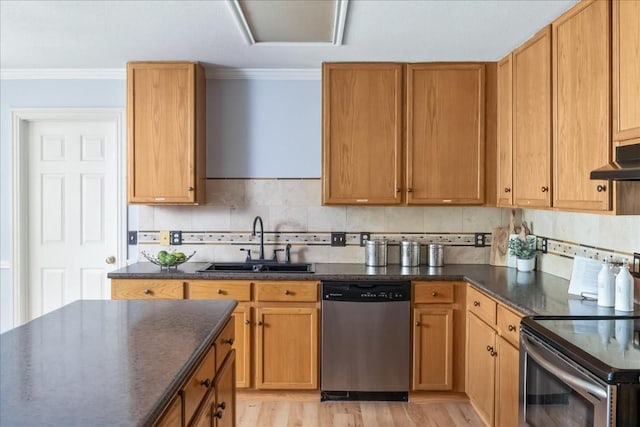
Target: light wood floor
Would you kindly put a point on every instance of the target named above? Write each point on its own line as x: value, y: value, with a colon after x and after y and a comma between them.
x: 305, y: 409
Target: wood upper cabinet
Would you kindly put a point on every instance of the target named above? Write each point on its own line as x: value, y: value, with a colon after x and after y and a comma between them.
x: 626, y: 63
x: 505, y: 132
x: 445, y: 134
x: 165, y: 133
x: 581, y: 113
x: 532, y: 121
x: 362, y: 133
x: 286, y: 347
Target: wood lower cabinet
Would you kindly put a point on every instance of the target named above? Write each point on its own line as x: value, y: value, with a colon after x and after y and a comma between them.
x: 433, y: 349
x: 507, y: 383
x: 581, y: 106
x: 481, y: 367
x: 207, y: 398
x: 532, y: 122
x: 492, y: 359
x: 286, y: 347
x: 219, y: 407
x: 505, y: 132
x: 445, y: 134
x: 362, y: 110
x: 438, y: 343
x: 166, y: 132
x: 626, y: 63
x: 239, y: 290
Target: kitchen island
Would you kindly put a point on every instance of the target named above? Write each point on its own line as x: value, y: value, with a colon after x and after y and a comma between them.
x: 97, y: 362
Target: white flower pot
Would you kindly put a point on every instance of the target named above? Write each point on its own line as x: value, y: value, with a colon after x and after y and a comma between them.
x: 526, y: 264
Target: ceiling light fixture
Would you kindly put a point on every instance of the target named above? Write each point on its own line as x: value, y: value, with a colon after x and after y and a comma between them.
x: 283, y: 22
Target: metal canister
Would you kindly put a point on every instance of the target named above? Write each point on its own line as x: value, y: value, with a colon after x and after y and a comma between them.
x: 435, y: 255
x: 376, y: 253
x: 409, y: 254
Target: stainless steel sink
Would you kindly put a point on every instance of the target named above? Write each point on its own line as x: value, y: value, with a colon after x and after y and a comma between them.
x: 257, y: 267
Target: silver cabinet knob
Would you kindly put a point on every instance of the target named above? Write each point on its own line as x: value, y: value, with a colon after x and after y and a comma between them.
x: 110, y: 259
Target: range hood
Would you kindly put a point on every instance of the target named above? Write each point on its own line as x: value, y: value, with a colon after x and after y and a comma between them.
x: 626, y: 167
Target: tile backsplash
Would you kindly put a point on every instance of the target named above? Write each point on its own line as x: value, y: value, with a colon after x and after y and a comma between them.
x: 292, y: 213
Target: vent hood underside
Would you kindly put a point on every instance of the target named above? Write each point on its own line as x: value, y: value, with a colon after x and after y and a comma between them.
x: 626, y: 168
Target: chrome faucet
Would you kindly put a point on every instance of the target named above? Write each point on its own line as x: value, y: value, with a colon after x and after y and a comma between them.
x: 256, y: 220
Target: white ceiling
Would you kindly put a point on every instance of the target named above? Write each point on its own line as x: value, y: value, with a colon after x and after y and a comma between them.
x: 106, y: 34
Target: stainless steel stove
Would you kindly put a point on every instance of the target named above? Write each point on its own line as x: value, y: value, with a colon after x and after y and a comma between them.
x: 580, y: 371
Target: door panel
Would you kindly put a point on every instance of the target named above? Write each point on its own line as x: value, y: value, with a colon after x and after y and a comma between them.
x: 72, y: 181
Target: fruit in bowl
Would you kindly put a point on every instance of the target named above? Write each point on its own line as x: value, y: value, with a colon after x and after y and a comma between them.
x: 167, y: 259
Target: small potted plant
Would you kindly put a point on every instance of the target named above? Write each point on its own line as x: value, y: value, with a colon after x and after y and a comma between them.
x: 524, y: 249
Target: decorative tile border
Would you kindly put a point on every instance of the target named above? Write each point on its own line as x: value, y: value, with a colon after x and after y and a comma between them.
x: 571, y: 250
x: 311, y: 238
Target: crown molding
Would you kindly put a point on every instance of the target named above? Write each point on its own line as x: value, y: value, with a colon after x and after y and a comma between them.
x: 264, y: 73
x: 63, y: 74
x: 121, y: 74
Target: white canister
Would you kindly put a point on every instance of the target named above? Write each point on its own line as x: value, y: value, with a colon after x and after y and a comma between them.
x: 624, y: 289
x: 606, y: 286
x: 375, y: 253
x: 409, y: 254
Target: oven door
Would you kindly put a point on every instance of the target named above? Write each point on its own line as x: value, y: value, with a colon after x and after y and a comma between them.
x: 556, y: 392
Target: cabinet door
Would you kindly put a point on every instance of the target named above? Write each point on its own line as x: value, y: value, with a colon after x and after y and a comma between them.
x: 165, y: 119
x: 224, y: 406
x: 581, y: 114
x: 433, y: 349
x: 532, y: 121
x: 481, y: 367
x: 361, y: 133
x: 507, y: 383
x: 445, y: 133
x: 287, y: 348
x: 626, y: 63
x: 242, y: 344
x: 505, y: 114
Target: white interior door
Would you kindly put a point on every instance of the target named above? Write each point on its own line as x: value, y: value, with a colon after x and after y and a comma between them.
x: 72, y: 204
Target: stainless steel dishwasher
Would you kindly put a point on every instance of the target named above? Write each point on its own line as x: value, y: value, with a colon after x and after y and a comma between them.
x: 366, y: 349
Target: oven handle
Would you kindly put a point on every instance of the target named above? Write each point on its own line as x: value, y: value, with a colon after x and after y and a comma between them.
x: 570, y: 379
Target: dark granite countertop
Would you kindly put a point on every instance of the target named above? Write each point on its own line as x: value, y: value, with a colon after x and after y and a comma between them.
x: 530, y: 293
x: 95, y: 363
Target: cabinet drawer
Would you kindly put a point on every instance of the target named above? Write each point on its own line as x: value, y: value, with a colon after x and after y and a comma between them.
x: 482, y: 305
x: 509, y: 325
x: 224, y: 342
x: 219, y: 289
x: 198, y: 384
x: 433, y: 293
x: 287, y: 291
x: 146, y: 289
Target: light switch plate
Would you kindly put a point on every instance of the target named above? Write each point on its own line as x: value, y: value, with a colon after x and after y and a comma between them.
x: 165, y: 237
x: 338, y: 239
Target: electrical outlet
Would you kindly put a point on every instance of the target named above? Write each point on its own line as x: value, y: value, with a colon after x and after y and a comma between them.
x: 132, y: 237
x: 165, y: 238
x: 479, y: 240
x: 338, y: 239
x: 364, y: 236
x: 176, y: 237
x: 544, y: 245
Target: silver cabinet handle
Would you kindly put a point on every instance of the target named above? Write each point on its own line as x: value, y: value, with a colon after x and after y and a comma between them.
x: 110, y: 259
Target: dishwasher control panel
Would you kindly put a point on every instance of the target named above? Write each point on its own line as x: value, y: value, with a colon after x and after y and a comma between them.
x: 366, y: 291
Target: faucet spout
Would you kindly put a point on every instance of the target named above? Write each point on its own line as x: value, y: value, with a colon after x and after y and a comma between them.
x: 258, y: 220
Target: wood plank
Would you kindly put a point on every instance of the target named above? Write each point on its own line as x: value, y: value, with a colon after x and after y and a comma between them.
x: 266, y: 409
